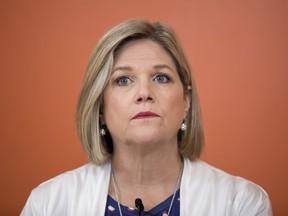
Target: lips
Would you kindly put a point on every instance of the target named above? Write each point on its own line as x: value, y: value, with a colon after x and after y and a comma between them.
x: 143, y: 115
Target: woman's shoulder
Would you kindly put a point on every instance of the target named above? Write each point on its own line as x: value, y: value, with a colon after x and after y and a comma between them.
x: 59, y: 193
x: 200, y: 171
x: 225, y: 189
x: 82, y: 176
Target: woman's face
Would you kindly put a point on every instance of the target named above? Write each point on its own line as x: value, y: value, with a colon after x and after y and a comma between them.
x: 144, y: 101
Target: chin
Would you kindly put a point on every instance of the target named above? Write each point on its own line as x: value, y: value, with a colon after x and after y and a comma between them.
x: 147, y: 136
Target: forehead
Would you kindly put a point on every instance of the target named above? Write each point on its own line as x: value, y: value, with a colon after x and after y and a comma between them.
x: 143, y: 50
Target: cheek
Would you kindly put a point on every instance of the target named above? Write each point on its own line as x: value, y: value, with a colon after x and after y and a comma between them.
x: 175, y: 109
x: 176, y: 102
x: 114, y: 108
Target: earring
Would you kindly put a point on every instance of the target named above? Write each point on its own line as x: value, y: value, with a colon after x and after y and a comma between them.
x: 102, y: 132
x: 183, y: 126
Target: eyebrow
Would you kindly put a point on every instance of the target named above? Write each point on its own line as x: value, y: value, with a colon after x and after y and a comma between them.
x: 160, y: 66
x: 128, y: 68
x: 124, y: 68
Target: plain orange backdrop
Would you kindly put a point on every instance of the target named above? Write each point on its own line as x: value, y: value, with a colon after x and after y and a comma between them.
x: 239, y: 54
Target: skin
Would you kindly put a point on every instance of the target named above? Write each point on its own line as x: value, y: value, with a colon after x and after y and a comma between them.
x: 145, y: 161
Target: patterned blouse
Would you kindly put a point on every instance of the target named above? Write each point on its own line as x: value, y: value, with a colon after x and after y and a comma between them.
x: 159, y: 210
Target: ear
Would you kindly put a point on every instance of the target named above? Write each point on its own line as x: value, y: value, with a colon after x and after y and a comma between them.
x: 101, y: 115
x: 101, y: 119
x: 187, y: 99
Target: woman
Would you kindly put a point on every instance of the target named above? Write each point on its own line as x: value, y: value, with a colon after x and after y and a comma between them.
x: 139, y: 121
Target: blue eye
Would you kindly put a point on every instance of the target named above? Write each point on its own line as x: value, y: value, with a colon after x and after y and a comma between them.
x: 123, y: 80
x: 162, y: 78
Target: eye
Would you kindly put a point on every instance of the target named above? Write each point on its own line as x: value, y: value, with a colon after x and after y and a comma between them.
x: 123, y: 80
x: 162, y: 78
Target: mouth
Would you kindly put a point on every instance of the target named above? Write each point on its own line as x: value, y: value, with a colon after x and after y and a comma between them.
x: 143, y: 115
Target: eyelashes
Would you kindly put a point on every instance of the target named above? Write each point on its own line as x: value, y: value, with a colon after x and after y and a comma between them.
x: 161, y: 78
x: 123, y: 80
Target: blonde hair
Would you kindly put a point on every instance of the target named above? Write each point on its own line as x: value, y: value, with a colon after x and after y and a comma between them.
x: 98, y: 148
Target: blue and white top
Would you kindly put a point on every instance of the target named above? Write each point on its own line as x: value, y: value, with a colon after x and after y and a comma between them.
x: 159, y: 210
x: 205, y: 190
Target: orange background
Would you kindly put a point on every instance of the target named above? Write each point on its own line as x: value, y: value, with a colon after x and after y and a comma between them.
x: 239, y: 54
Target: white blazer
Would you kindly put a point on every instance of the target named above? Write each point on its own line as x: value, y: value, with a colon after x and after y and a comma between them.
x: 204, y: 191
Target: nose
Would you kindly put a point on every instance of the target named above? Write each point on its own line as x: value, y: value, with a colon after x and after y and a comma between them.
x: 145, y: 92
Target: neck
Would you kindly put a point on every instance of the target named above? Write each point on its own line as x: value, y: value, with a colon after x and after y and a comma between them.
x: 146, y: 164
x: 147, y: 172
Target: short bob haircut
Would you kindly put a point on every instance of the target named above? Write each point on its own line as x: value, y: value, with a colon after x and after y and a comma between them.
x: 100, y: 148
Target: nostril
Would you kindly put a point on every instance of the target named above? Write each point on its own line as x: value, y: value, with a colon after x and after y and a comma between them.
x: 143, y: 99
x: 149, y: 98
